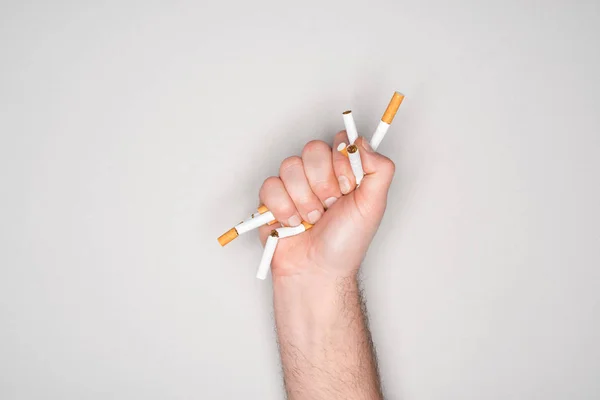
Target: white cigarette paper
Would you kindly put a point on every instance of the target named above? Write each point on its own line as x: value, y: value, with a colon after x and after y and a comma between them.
x: 350, y: 126
x: 267, y: 257
x: 379, y: 134
x: 253, y: 223
x: 251, y: 216
x: 355, y: 163
x: 290, y: 231
x: 386, y: 120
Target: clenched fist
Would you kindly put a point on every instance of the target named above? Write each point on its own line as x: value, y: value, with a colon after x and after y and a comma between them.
x: 319, y: 187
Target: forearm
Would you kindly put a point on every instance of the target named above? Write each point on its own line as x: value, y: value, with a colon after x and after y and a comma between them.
x: 325, y: 344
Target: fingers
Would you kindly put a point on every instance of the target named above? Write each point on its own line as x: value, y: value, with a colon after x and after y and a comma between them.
x: 296, y: 183
x: 318, y: 168
x: 377, y: 166
x: 319, y: 178
x: 379, y: 172
x: 274, y: 195
x: 341, y: 165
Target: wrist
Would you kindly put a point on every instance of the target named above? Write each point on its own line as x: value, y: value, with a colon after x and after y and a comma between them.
x: 317, y: 279
x: 312, y: 277
x: 312, y: 270
x: 313, y: 299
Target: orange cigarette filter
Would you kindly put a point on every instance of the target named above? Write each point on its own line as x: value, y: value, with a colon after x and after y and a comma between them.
x: 343, y: 149
x: 251, y: 223
x: 386, y: 120
x: 307, y: 226
x: 227, y: 237
x: 392, y: 108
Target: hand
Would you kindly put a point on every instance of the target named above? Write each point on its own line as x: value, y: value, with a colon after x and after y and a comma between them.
x: 319, y: 188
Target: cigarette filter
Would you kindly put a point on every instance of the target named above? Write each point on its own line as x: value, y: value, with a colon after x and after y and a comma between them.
x: 267, y: 257
x: 227, y: 237
x: 350, y: 126
x: 255, y: 220
x: 355, y: 163
x: 386, y: 119
x: 342, y: 149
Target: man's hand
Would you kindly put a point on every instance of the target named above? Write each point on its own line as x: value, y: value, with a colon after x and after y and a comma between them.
x: 324, y: 340
x: 313, y: 183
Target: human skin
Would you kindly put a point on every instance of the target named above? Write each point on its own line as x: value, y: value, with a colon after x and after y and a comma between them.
x: 324, y: 339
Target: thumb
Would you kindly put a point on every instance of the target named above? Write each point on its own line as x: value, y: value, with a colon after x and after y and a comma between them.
x: 379, y: 172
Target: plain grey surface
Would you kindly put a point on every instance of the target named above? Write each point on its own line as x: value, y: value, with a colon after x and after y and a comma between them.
x: 134, y: 133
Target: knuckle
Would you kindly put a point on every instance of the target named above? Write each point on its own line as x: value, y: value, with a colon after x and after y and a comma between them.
x: 388, y: 166
x: 341, y: 164
x: 315, y: 146
x: 285, y: 210
x: 290, y: 162
x: 304, y: 199
x: 321, y: 187
x: 268, y: 184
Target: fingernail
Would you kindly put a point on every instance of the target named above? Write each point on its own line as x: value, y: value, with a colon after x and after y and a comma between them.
x: 294, y: 221
x: 329, y: 202
x: 367, y: 146
x: 344, y: 184
x: 314, y: 216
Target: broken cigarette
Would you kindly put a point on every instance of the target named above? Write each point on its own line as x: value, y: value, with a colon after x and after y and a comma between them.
x: 293, y: 230
x: 255, y: 222
x: 342, y: 149
x: 350, y: 126
x: 267, y: 257
x: 355, y: 163
x: 386, y: 119
x: 271, y: 245
x: 263, y: 216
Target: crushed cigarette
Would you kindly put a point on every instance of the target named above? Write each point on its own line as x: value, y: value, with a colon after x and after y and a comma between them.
x: 271, y: 245
x: 265, y: 262
x: 263, y: 216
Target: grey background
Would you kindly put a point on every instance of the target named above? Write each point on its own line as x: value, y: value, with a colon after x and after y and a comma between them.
x: 134, y: 133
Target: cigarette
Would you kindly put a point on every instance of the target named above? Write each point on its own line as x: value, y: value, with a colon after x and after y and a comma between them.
x: 227, y: 236
x: 386, y: 119
x: 255, y: 222
x: 267, y: 257
x: 355, y: 163
x: 350, y: 126
x: 271, y: 246
x: 342, y: 149
x: 263, y: 216
x: 293, y: 231
x: 261, y: 210
x: 256, y: 215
